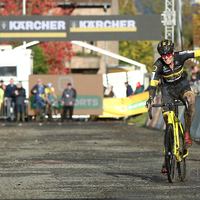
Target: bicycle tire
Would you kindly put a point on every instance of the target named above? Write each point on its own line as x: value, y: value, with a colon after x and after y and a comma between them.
x: 183, y: 164
x: 170, y: 158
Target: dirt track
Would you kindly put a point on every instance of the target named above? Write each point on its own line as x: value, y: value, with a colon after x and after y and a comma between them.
x: 89, y: 160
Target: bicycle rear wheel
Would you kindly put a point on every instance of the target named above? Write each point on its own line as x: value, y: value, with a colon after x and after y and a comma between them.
x: 182, y: 150
x: 169, y: 153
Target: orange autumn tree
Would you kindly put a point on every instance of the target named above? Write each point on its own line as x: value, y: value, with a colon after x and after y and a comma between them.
x: 57, y: 52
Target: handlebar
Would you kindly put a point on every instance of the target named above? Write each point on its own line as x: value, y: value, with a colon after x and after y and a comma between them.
x: 184, y: 102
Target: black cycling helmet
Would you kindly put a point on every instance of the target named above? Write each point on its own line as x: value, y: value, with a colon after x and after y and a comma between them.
x: 165, y: 47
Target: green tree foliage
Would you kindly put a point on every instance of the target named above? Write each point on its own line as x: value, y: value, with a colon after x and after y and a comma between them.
x: 127, y: 7
x: 141, y: 51
x: 39, y: 61
x: 187, y: 24
x: 151, y: 6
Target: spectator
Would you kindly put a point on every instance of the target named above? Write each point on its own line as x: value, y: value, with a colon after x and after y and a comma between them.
x: 129, y: 90
x: 109, y: 91
x: 49, y: 90
x: 196, y: 70
x: 38, y: 91
x: 194, y: 78
x: 67, y: 101
x: 20, y: 94
x: 2, y: 85
x: 1, y: 99
x: 10, y: 99
x: 139, y: 88
x: 195, y: 75
x: 2, y: 91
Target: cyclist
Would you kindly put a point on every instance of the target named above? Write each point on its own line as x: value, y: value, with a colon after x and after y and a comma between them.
x: 49, y: 90
x: 170, y: 67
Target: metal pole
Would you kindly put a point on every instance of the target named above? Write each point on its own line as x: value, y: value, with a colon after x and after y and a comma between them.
x: 179, y: 24
x: 24, y: 13
x: 106, y: 44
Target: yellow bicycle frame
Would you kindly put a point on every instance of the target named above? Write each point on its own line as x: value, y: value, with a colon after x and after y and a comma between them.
x: 172, y: 119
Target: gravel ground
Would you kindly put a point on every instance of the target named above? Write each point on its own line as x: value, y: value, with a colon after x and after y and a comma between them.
x: 89, y: 160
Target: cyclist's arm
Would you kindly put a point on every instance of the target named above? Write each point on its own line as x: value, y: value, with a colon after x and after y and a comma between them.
x: 53, y: 93
x: 55, y: 96
x: 184, y: 55
x: 197, y: 53
x: 155, y: 75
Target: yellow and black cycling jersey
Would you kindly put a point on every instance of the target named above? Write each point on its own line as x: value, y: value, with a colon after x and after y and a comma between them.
x: 49, y: 91
x: 169, y: 76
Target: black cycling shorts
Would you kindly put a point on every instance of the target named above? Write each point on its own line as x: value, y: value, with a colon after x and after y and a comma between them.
x: 172, y: 91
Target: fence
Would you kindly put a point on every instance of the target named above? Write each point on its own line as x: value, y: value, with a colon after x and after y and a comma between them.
x: 8, y: 109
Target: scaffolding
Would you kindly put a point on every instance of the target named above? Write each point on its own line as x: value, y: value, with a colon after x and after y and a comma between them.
x: 169, y: 19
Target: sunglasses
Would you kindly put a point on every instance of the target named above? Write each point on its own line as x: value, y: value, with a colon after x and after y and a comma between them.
x: 168, y: 55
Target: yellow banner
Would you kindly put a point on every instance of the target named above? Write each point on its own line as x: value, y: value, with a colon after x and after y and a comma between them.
x: 121, y: 107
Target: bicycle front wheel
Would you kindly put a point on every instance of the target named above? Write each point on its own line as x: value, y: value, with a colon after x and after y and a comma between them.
x: 182, y: 151
x: 170, y: 158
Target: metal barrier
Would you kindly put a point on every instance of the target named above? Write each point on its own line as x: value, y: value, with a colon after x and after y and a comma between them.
x: 8, y: 109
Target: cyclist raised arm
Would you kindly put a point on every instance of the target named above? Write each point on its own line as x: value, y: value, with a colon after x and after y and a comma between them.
x: 170, y: 67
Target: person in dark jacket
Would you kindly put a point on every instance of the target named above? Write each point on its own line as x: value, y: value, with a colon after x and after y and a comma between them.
x: 67, y: 101
x: 20, y: 95
x: 129, y: 90
x: 38, y: 92
x: 10, y: 99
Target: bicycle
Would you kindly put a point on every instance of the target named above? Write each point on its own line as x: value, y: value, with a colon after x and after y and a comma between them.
x: 175, y: 151
x: 55, y: 108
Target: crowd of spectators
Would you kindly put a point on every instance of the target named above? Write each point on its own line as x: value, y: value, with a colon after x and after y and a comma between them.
x: 12, y: 101
x: 108, y: 91
x: 12, y: 98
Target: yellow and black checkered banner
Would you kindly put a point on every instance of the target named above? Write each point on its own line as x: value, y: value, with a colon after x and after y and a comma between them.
x: 121, y: 107
x: 84, y: 28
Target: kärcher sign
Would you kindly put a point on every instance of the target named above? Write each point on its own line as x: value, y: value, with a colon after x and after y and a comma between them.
x: 83, y: 28
x: 103, y: 24
x: 37, y: 25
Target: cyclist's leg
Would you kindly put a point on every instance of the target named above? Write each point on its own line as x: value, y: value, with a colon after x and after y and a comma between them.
x: 188, y: 120
x: 186, y: 91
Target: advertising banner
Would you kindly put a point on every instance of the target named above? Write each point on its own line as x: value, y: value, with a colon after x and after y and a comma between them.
x: 84, y: 28
x: 121, y: 107
x: 89, y: 90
